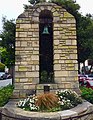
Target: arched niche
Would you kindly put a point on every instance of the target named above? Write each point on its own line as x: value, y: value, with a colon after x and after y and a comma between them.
x: 46, y: 46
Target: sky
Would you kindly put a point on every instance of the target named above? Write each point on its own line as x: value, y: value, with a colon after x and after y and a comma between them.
x: 13, y: 8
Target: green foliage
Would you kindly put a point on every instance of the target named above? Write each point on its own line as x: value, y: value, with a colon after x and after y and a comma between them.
x: 8, y: 42
x: 5, y: 94
x: 33, y: 2
x: 85, y: 38
x: 28, y: 103
x: 87, y: 94
x: 68, y: 99
x: 44, y: 76
x: 2, y: 67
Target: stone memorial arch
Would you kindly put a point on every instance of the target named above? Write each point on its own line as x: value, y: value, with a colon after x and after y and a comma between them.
x: 46, y: 50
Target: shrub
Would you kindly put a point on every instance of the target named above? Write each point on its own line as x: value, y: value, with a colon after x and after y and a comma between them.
x: 44, y: 76
x: 87, y: 94
x: 5, y: 94
x: 63, y: 100
x: 28, y: 103
x: 47, y: 101
x: 68, y: 99
x: 2, y: 67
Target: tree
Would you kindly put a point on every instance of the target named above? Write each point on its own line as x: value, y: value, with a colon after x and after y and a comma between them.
x: 8, y: 42
x: 85, y: 38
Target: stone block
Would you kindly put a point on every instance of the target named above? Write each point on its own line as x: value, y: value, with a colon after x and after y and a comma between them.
x: 68, y: 42
x: 67, y: 85
x: 60, y: 80
x: 20, y: 74
x: 57, y: 66
x: 56, y: 42
x: 22, y: 94
x: 34, y: 57
x: 74, y: 42
x: 73, y: 56
x: 56, y: 33
x: 25, y: 26
x: 68, y: 15
x: 38, y: 10
x: 56, y: 25
x: 29, y: 86
x: 19, y: 29
x: 19, y: 86
x: 53, y: 87
x: 35, y: 52
x: 38, y: 92
x: 57, y: 51
x: 16, y: 68
x: 35, y: 62
x: 53, y: 10
x: 23, y: 34
x: 29, y: 34
x: 35, y: 43
x: 73, y: 73
x: 61, y: 86
x: 56, y: 56
x: 71, y: 20
x: 18, y: 44
x: 76, y: 66
x: 22, y: 68
x: 23, y: 80
x: 37, y: 68
x: 60, y: 73
x: 23, y: 44
x: 17, y: 34
x: 17, y: 80
x: 35, y: 25
x: 32, y: 74
x: 55, y: 14
x: 40, y: 87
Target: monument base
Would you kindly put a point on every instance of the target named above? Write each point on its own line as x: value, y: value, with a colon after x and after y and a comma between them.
x: 83, y: 111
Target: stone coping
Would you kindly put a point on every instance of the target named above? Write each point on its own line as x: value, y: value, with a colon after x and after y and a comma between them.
x: 10, y: 109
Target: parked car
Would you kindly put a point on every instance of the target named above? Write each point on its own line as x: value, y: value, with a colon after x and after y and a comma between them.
x: 5, y: 76
x: 89, y: 77
x: 89, y: 84
x: 1, y: 74
x: 81, y: 79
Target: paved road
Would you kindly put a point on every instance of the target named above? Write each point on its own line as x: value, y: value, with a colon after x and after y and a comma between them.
x: 5, y: 82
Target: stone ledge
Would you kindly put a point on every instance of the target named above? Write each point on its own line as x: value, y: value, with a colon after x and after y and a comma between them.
x: 11, y: 110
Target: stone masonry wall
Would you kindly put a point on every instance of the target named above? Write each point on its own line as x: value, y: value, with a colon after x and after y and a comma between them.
x: 27, y: 50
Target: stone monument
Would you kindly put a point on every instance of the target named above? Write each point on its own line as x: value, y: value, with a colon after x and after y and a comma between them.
x: 46, y: 50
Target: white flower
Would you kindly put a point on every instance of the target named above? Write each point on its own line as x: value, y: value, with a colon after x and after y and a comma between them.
x: 61, y: 96
x: 20, y: 103
x: 68, y: 100
x: 31, y: 101
x: 62, y: 103
x: 30, y: 105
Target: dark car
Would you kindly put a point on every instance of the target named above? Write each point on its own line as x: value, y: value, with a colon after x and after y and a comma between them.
x: 5, y: 76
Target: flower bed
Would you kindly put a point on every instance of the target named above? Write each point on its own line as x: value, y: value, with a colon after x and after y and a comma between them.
x: 62, y: 100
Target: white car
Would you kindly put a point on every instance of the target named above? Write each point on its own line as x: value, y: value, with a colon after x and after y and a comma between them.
x: 89, y: 77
